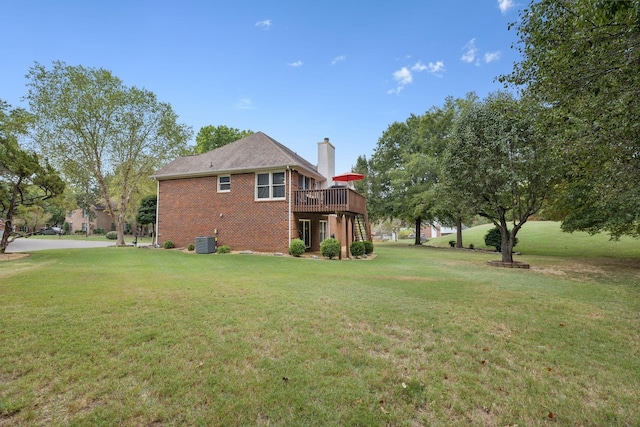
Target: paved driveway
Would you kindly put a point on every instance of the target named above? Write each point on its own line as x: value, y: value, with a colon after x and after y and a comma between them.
x: 30, y: 245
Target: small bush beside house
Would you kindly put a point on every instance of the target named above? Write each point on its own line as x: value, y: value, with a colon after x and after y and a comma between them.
x: 297, y: 247
x: 357, y: 249
x: 111, y: 235
x: 224, y: 249
x: 368, y: 247
x: 330, y: 248
x: 168, y: 244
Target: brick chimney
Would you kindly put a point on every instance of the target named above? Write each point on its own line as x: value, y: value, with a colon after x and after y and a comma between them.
x: 326, y: 161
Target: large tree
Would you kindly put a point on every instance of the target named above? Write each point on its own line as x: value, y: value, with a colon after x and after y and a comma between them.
x: 405, y: 169
x: 498, y: 162
x: 25, y: 180
x: 581, y: 60
x: 211, y: 137
x: 93, y: 126
x: 392, y: 189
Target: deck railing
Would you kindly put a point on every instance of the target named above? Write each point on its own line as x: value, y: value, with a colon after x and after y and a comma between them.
x: 329, y: 200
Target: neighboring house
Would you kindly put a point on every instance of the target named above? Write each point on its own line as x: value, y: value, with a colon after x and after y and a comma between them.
x: 78, y: 219
x: 436, y: 230
x: 256, y: 194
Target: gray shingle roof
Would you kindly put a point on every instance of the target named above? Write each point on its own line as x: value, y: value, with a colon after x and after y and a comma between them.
x: 254, y: 152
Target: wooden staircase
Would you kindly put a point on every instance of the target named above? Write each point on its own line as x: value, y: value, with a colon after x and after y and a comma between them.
x: 362, y: 227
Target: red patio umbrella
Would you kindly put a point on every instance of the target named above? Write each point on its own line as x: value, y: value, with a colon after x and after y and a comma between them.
x: 349, y: 176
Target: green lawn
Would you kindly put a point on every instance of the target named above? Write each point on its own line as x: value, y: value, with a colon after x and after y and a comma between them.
x: 416, y: 336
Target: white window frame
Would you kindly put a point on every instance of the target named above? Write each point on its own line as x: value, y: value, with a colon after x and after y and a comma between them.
x: 324, y: 229
x: 220, y: 183
x: 271, y: 186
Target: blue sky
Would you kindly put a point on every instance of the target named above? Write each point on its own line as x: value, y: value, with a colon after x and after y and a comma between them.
x: 298, y: 70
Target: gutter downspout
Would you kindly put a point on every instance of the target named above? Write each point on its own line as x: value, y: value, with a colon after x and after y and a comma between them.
x: 290, y: 191
x: 155, y: 234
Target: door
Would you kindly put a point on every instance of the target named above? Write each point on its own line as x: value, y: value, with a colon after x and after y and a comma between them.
x: 304, y: 231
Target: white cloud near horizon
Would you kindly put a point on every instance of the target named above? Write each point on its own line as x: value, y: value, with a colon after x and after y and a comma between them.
x: 505, y: 5
x: 298, y: 63
x: 264, y: 24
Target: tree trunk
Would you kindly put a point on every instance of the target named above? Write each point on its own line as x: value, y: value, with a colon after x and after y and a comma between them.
x: 120, y: 229
x: 507, y: 244
x: 8, y: 222
x: 417, y: 240
x: 459, y: 232
x: 4, y: 242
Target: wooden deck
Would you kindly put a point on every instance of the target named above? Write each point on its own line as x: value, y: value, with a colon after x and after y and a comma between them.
x: 330, y: 200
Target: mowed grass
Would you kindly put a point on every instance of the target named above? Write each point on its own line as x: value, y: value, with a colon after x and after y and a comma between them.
x: 416, y: 336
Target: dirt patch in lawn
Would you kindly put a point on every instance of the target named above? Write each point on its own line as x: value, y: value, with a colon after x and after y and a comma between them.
x: 11, y: 257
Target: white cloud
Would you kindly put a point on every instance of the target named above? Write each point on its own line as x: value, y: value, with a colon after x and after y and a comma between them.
x: 395, y: 91
x: 505, y: 5
x: 491, y: 56
x: 338, y: 59
x: 298, y: 63
x: 436, y: 68
x: 244, y: 104
x: 432, y: 67
x: 265, y: 24
x: 470, y: 51
x: 419, y: 66
x: 403, y: 76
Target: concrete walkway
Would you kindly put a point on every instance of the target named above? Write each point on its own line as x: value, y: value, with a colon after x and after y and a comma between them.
x: 30, y: 245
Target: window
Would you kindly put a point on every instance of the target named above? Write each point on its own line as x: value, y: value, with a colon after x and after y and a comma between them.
x: 224, y: 183
x: 304, y: 232
x: 304, y: 182
x: 324, y: 230
x: 270, y: 185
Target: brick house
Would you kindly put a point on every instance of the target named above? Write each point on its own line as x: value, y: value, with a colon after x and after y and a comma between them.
x: 256, y: 194
x: 79, y: 220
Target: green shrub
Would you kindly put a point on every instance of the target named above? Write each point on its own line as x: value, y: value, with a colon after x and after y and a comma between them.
x: 79, y: 232
x: 168, y: 244
x: 297, y: 247
x: 224, y: 249
x: 357, y: 249
x: 493, y: 238
x: 471, y: 246
x: 99, y: 231
x: 452, y: 243
x: 368, y: 247
x: 112, y: 235
x: 190, y: 247
x: 330, y: 248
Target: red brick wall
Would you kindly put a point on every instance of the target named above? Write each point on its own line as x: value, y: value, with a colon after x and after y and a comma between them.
x: 189, y: 208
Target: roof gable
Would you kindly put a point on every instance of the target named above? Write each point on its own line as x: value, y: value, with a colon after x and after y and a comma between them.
x: 257, y: 151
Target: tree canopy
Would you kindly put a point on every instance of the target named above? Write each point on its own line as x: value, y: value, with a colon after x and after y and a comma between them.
x: 499, y: 163
x: 581, y: 60
x: 98, y: 130
x: 405, y: 170
x: 25, y: 180
x: 211, y: 137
